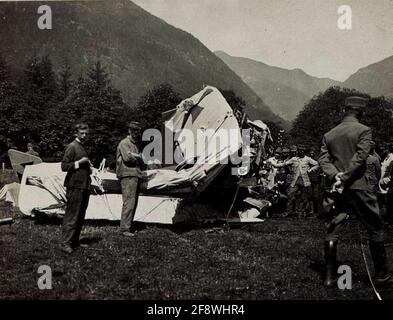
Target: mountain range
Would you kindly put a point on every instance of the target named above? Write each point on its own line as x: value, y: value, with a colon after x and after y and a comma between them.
x: 286, y: 91
x: 138, y: 49
x: 375, y: 79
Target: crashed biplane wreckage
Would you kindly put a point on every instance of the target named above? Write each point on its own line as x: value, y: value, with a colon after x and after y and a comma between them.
x: 164, y: 191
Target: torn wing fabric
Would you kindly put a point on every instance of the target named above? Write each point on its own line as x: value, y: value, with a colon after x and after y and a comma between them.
x: 205, y: 128
x: 10, y: 193
x: 52, y: 184
x: 207, y: 113
x: 161, y: 178
x: 42, y: 192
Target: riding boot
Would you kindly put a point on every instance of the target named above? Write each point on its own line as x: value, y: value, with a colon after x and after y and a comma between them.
x: 378, y: 254
x: 330, y: 263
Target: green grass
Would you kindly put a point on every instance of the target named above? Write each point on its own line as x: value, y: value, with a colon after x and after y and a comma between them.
x: 277, y: 259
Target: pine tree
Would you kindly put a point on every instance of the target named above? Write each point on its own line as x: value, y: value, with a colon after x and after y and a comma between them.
x: 99, y: 76
x: 149, y: 108
x: 16, y: 116
x: 42, y: 94
x: 95, y: 101
x: 65, y: 79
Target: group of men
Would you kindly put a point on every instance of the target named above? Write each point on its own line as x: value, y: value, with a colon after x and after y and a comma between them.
x: 78, y: 184
x: 295, y: 174
x: 347, y: 159
x: 348, y: 177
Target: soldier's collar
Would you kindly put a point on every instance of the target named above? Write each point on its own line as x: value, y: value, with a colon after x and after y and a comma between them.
x: 350, y: 118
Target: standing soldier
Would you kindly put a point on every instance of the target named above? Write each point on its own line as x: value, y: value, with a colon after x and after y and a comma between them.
x: 290, y: 165
x: 315, y: 179
x: 280, y: 180
x: 284, y: 176
x: 300, y: 182
x: 128, y: 172
x: 31, y: 150
x: 373, y: 172
x: 77, y: 181
x: 273, y: 164
x: 385, y: 184
x: 343, y: 157
x: 286, y: 154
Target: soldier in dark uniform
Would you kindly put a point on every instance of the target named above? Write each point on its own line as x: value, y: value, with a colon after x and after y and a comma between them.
x: 77, y: 181
x: 343, y: 157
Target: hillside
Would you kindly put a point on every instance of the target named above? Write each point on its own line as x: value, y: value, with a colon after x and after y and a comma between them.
x: 375, y: 79
x: 284, y: 90
x: 138, y: 49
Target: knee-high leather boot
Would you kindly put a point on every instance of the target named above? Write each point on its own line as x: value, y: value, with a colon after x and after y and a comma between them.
x: 330, y: 263
x: 378, y: 253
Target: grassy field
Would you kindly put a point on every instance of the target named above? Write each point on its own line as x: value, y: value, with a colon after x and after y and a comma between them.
x: 277, y: 259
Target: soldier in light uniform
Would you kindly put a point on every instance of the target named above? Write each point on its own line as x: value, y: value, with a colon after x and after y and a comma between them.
x: 373, y: 172
x: 315, y: 193
x: 128, y: 161
x: 385, y: 186
x: 300, y: 182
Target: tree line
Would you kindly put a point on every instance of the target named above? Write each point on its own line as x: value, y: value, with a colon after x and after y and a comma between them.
x: 42, y: 106
x: 325, y: 110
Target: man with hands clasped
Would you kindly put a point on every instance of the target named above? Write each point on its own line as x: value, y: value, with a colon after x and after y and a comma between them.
x: 77, y: 182
x: 343, y: 159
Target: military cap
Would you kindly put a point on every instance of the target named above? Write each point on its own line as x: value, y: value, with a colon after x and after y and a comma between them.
x: 278, y: 150
x: 134, y: 125
x: 302, y: 147
x: 356, y: 102
x: 285, y: 150
x: 293, y: 148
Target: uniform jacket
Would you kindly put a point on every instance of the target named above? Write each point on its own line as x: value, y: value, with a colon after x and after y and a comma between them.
x: 127, y: 162
x: 76, y: 178
x: 387, y: 171
x: 300, y: 167
x: 273, y: 172
x: 373, y: 172
x: 345, y: 149
x: 385, y: 165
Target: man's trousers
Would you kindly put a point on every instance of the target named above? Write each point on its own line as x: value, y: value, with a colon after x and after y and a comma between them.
x: 77, y: 202
x: 389, y: 207
x: 130, y: 192
x: 362, y: 203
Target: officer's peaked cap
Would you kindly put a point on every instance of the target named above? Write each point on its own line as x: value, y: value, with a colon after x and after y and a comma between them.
x: 356, y: 102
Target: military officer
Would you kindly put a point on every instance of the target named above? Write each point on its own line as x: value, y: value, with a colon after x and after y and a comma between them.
x: 343, y: 157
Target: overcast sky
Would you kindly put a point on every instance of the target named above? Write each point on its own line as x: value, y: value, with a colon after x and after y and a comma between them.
x: 287, y: 33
